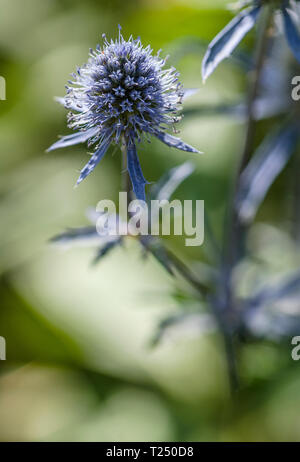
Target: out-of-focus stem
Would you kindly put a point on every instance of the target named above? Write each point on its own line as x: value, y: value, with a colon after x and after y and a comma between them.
x: 296, y: 198
x: 233, y: 375
x: 235, y: 234
x: 261, y: 49
x: 186, y: 273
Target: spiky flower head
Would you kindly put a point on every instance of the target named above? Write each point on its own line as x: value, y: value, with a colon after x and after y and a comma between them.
x: 122, y: 93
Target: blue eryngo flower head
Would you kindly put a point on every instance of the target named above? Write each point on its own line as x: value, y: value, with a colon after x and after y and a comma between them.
x: 121, y: 94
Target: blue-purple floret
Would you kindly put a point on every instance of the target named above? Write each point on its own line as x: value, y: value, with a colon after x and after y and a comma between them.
x: 121, y: 94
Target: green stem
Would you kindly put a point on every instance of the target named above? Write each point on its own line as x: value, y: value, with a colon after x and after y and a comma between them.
x: 186, y: 273
x: 233, y: 375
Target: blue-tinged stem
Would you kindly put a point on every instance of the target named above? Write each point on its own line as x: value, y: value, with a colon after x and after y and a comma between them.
x: 233, y: 238
x: 234, y: 234
x: 125, y: 176
x: 261, y: 49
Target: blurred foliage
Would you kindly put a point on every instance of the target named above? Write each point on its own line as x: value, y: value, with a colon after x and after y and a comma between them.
x: 80, y: 365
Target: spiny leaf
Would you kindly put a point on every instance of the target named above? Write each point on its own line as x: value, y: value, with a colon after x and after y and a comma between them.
x: 170, y: 181
x: 266, y: 164
x: 228, y: 39
x: 74, y: 138
x: 291, y: 32
x: 94, y: 160
x: 175, y: 142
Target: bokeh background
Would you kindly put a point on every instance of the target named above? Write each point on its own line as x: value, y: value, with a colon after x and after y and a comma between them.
x: 80, y: 362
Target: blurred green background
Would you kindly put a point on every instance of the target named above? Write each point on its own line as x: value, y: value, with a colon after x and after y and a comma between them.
x: 80, y: 365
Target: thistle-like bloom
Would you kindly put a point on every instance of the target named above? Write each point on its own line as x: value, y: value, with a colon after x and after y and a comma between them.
x: 122, y: 93
x: 227, y: 40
